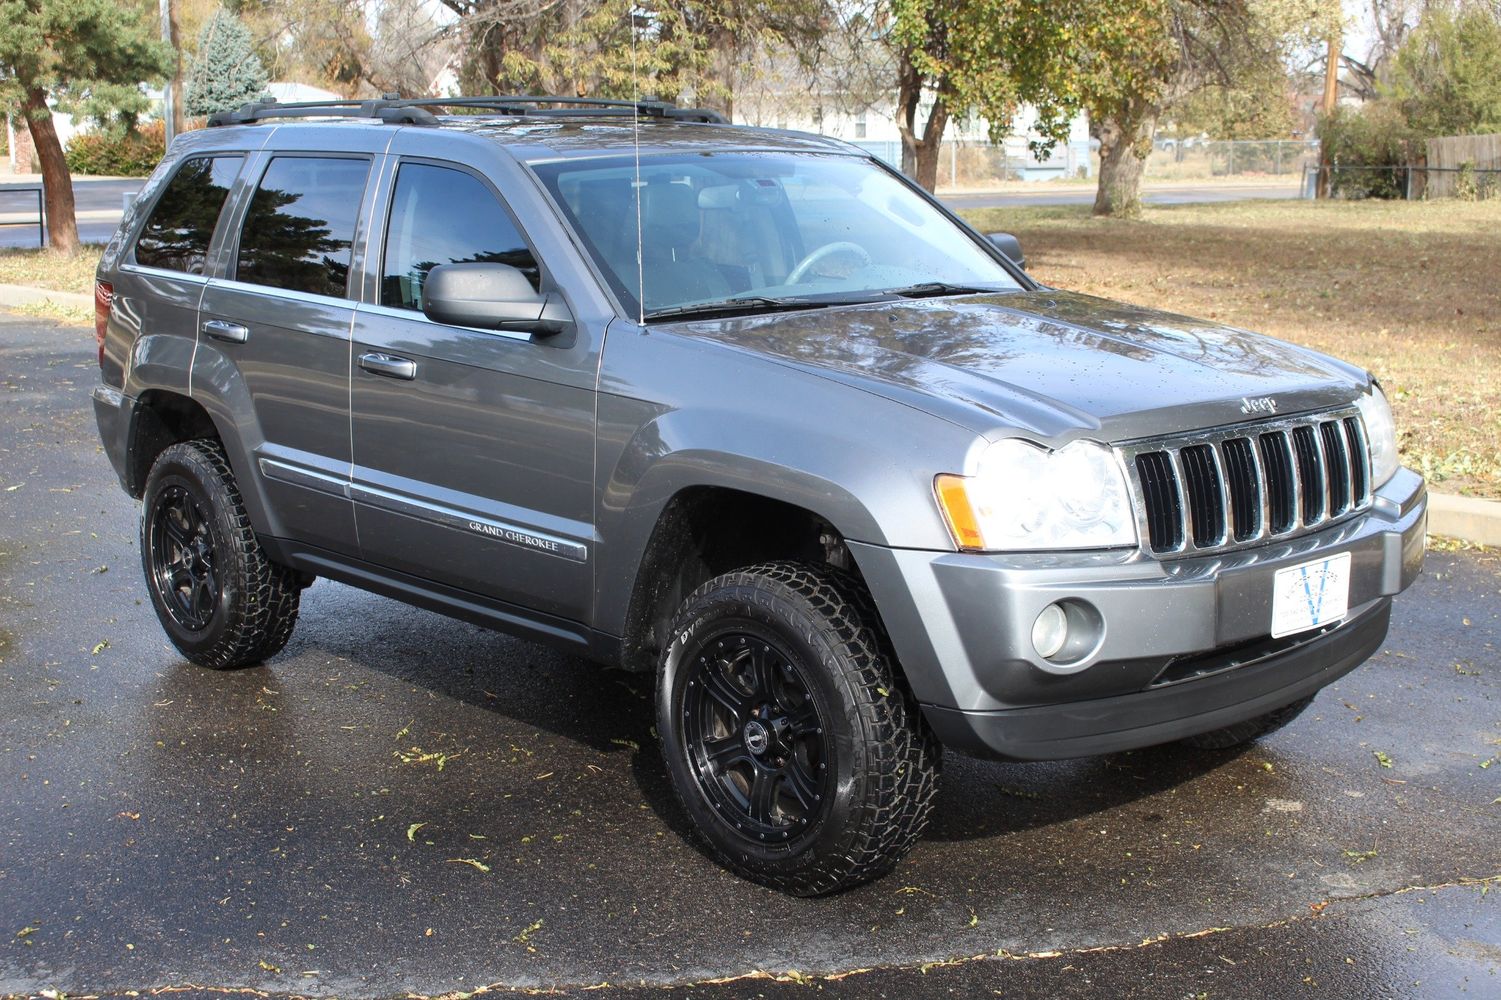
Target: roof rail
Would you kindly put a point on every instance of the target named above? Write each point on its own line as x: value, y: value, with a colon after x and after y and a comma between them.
x: 384, y: 110
x: 533, y: 105
x: 394, y: 110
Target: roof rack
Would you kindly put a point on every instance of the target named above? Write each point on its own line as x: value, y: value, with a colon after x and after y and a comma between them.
x: 395, y: 110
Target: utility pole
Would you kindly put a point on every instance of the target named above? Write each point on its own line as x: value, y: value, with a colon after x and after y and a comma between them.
x: 171, y: 120
x: 1331, y: 98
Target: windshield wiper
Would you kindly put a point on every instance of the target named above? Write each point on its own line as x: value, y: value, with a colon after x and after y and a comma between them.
x: 738, y: 304
x: 927, y: 289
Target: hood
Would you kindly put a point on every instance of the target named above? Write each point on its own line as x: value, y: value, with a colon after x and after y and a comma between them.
x: 1053, y: 364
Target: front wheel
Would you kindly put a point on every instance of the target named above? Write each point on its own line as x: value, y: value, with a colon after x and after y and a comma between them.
x: 220, y: 598
x: 802, y: 760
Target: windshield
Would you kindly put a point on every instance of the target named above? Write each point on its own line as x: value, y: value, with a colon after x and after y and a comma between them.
x: 763, y: 229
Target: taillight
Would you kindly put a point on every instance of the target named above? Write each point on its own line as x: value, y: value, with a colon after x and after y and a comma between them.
x: 104, y: 297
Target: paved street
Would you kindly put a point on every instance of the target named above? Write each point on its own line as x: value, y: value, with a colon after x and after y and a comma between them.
x: 99, y: 202
x: 1177, y: 194
x: 401, y: 803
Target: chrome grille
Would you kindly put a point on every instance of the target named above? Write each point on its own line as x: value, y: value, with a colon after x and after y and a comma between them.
x: 1242, y: 485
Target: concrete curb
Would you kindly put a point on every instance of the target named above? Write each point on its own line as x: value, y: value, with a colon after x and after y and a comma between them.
x: 1467, y: 518
x: 25, y: 295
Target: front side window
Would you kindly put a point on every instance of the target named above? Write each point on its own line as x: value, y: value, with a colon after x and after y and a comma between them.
x: 177, y: 233
x: 444, y: 216
x: 300, y: 226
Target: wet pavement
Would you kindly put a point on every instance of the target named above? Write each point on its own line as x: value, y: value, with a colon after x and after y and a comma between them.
x: 401, y: 803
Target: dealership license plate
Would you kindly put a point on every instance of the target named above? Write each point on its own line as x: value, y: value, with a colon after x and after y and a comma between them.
x: 1310, y: 594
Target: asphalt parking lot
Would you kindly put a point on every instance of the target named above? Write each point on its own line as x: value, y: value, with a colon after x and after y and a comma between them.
x: 403, y: 804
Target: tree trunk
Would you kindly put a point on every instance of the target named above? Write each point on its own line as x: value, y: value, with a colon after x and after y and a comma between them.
x: 178, y: 117
x: 919, y: 153
x: 62, y: 223
x: 725, y: 53
x: 1124, y: 148
x: 927, y: 165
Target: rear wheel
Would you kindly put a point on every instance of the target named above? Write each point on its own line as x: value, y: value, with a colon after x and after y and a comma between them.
x: 220, y: 598
x: 802, y: 761
x: 1252, y: 729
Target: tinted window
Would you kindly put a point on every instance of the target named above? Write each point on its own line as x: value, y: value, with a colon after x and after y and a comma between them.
x: 300, y: 225
x: 177, y: 234
x: 443, y: 216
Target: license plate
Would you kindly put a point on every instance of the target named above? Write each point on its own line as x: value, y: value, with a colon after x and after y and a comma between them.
x: 1310, y: 594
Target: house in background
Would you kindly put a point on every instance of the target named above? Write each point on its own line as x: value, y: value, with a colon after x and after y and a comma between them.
x: 968, y: 157
x: 292, y: 93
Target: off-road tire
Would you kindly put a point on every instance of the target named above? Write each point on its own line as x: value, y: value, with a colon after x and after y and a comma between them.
x: 883, y: 762
x: 255, y: 606
x: 1251, y: 729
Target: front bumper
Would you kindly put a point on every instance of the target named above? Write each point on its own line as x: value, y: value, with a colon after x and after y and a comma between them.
x: 1184, y: 649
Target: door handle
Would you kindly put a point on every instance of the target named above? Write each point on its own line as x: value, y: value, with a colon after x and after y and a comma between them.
x: 389, y: 366
x: 219, y: 329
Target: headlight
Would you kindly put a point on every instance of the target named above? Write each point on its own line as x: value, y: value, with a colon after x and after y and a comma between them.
x: 1026, y: 497
x: 1381, y: 434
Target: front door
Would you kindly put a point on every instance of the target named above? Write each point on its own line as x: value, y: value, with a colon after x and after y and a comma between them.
x: 473, y: 450
x: 281, y: 319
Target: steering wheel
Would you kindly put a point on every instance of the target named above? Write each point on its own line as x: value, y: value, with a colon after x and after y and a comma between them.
x: 805, y: 266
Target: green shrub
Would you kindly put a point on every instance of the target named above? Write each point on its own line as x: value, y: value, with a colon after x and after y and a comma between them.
x: 1370, y: 147
x: 1447, y: 74
x: 118, y: 152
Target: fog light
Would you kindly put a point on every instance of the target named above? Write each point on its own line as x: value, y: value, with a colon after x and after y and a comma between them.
x: 1050, y: 631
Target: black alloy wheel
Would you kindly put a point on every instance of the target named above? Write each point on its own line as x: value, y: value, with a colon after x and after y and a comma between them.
x: 790, y: 738
x: 753, y: 734
x: 182, y: 559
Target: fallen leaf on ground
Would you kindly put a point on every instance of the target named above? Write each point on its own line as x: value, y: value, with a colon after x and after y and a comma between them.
x: 471, y: 862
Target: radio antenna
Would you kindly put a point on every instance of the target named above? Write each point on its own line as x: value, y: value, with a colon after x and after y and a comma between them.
x: 636, y: 146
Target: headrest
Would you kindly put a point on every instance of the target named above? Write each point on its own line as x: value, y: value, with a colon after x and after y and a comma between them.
x: 718, y: 196
x: 669, y: 215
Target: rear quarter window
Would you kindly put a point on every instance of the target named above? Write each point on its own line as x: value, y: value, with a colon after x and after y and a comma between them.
x: 181, y: 225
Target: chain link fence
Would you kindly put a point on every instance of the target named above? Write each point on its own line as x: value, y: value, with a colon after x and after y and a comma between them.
x: 1250, y: 159
x: 969, y: 163
x: 975, y: 163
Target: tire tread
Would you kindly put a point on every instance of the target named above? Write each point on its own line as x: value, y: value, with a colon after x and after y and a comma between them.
x: 261, y: 620
x: 896, y: 799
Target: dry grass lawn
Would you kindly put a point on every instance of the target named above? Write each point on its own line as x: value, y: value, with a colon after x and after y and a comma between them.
x: 45, y: 269
x: 1412, y: 291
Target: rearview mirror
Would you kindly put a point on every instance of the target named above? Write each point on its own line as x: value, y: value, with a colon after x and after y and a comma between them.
x: 1010, y: 246
x: 491, y: 297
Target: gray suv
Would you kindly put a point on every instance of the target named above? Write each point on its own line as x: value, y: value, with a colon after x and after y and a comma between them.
x: 746, y: 409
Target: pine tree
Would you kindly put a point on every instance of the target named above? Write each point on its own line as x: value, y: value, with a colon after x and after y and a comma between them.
x: 226, y: 72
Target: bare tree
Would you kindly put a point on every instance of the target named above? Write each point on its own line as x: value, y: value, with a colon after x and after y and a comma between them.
x: 1389, y: 23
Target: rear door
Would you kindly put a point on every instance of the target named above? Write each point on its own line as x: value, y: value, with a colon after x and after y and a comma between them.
x: 473, y: 449
x: 280, y: 319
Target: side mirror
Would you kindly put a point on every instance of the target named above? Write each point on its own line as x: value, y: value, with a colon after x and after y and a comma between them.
x: 491, y: 297
x: 1010, y: 246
